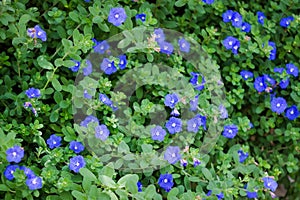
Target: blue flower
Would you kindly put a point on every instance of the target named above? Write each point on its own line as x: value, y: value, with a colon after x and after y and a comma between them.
x: 260, y: 84
x: 108, y: 67
x: 278, y: 70
x: 34, y: 183
x: 141, y: 16
x: 193, y: 125
x: 89, y: 119
x: 246, y: 74
x: 76, y: 67
x: 14, y: 154
x: 166, y: 47
x: 285, y: 22
x: 175, y: 113
x: 183, y: 162
x: 208, y: 1
x: 33, y: 93
x: 196, y: 162
x: 117, y: 16
x: 223, y: 112
x: 292, y: 69
x: 139, y: 186
x: 165, y: 181
x: 242, y: 156
x: 236, y: 20
x: 184, y: 45
x: 260, y: 17
x: 273, y: 51
x: 292, y: 112
x: 284, y: 83
x: 158, y: 133
x: 251, y: 195
x: 201, y: 121
x: 278, y: 105
x: 53, y: 141
x: 76, y: 163
x: 246, y: 27
x: 159, y: 35
x: 208, y: 193
x: 77, y: 147
x: 101, y: 132
x: 104, y: 99
x: 101, y: 47
x: 123, y: 62
x: 9, y: 171
x: 227, y: 16
x: 269, y: 79
x: 28, y: 172
x: 174, y: 125
x: 171, y: 100
x: 37, y: 32
x: 231, y: 43
x: 194, y: 103
x: 172, y: 154
x: 220, y: 196
x: 270, y: 183
x: 86, y: 95
x: 88, y: 69
x: 230, y: 131
x: 195, y: 83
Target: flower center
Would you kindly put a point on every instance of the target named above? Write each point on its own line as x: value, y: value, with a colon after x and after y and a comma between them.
x: 173, y: 125
x: 173, y: 155
x: 165, y: 47
x: 34, y: 182
x: 14, y: 154
x: 183, y: 45
x: 121, y: 62
x: 40, y: 33
x: 157, y: 133
x: 165, y: 180
x: 278, y: 105
x: 75, y: 147
x: 261, y: 84
x: 101, y: 47
x: 230, y: 131
x: 246, y: 76
x: 109, y: 65
x: 117, y: 16
x: 54, y: 142
x: 291, y: 70
x: 292, y: 112
x: 230, y: 42
x: 101, y: 132
x: 194, y: 125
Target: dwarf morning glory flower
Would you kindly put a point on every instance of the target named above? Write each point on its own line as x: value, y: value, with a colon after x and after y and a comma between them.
x: 104, y: 99
x: 270, y: 183
x: 278, y: 105
x: 251, y: 195
x: 108, y: 67
x: 117, y: 16
x: 246, y: 74
x: 102, y: 132
x: 278, y: 70
x: 77, y: 147
x: 123, y: 62
x: 14, y: 154
x: 89, y: 119
x: 34, y: 183
x: 273, y: 51
x: 284, y: 83
x: 236, y: 47
x: 292, y: 69
x: 76, y: 163
x: 251, y: 125
x: 208, y: 193
x: 166, y: 48
x: 208, y: 1
x: 194, y: 103
x: 227, y: 16
x: 28, y: 172
x: 246, y: 27
x: 236, y: 20
x: 184, y: 45
x: 165, y: 181
x: 33, y: 93
x: 223, y: 112
x: 230, y: 131
x: 159, y: 35
x: 139, y: 186
x: 76, y: 67
x: 101, y: 47
x: 174, y: 125
x: 242, y: 156
x: 194, y: 81
x: 141, y: 16
x: 285, y: 22
x: 260, y: 84
x: 196, y: 162
x: 269, y: 79
x: 229, y: 42
x: 158, y: 133
x: 220, y: 196
x: 37, y: 32
x: 54, y: 141
x: 88, y: 69
x: 86, y: 94
x: 172, y: 154
x: 175, y: 113
x: 292, y: 112
x: 260, y: 17
x: 183, y: 162
x: 171, y: 100
x: 201, y: 120
x: 193, y: 125
x: 9, y: 171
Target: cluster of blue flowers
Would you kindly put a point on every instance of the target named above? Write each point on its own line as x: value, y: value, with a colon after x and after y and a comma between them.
x: 31, y: 93
x: 101, y: 130
x: 15, y: 154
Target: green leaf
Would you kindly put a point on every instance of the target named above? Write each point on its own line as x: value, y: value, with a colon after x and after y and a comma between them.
x: 180, y: 3
x: 78, y: 195
x: 44, y: 63
x: 56, y: 84
x: 54, y: 116
x: 124, y: 43
x: 4, y: 187
x: 139, y: 93
x: 206, y: 174
x: 86, y: 173
x: 123, y: 147
x: 58, y: 97
x: 107, y: 181
x: 122, y: 181
x: 103, y: 26
x: 172, y: 194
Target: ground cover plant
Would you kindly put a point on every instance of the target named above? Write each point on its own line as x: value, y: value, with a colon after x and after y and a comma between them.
x: 181, y: 99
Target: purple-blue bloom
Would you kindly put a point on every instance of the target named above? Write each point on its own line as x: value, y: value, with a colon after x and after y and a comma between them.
x: 89, y: 119
x: 195, y: 83
x: 108, y: 67
x: 139, y: 186
x: 292, y: 112
x: 9, y: 171
x: 230, y: 131
x: 278, y: 105
x: 193, y: 125
x: 273, y: 51
x: 285, y: 22
x: 270, y: 183
x: 86, y: 95
x: 196, y: 162
x: 34, y: 183
x: 37, y: 32
x: 158, y: 133
x: 242, y: 156
x: 220, y: 196
x: 88, y: 69
x: 208, y: 1
x: 165, y: 181
x: 175, y: 113
x: 14, y: 154
x: 251, y: 195
x: 223, y: 112
x: 231, y: 43
x: 28, y: 172
x: 246, y: 27
x: 33, y: 93
x: 278, y: 70
x: 184, y: 45
x: 159, y: 35
x: 227, y: 16
x: 269, y: 79
x: 174, y: 125
x: 171, y: 100
x: 76, y: 67
x: 101, y: 47
x: 284, y: 83
x: 260, y: 17
x: 292, y: 69
x: 236, y: 20
x: 194, y: 103
x: 123, y: 62
x: 166, y: 47
x: 260, y: 84
x: 201, y: 120
x: 172, y: 154
x: 141, y: 16
x: 246, y: 74
x: 77, y: 147
x: 117, y: 16
x: 101, y: 132
x: 183, y: 162
x: 76, y: 163
x: 104, y: 99
x: 53, y: 141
